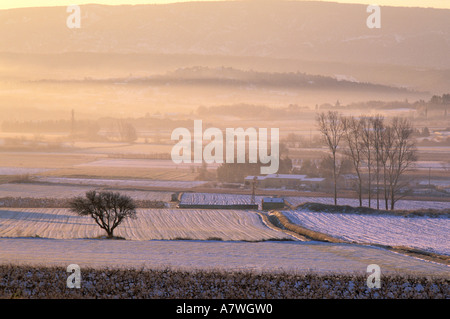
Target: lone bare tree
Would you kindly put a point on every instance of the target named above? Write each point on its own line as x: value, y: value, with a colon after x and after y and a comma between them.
x: 108, y: 209
x: 331, y: 126
x: 127, y: 132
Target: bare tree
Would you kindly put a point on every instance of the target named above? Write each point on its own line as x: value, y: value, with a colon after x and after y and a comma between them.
x: 127, y: 132
x: 332, y: 128
x: 387, y: 150
x: 108, y: 209
x: 352, y: 135
x: 402, y: 155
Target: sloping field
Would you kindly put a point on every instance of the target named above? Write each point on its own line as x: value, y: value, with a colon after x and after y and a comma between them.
x: 122, y: 148
x: 21, y: 170
x: 236, y: 199
x: 150, y: 224
x: 144, y: 163
x: 262, y: 256
x: 148, y: 195
x: 425, y: 233
x: 64, y: 191
x: 401, y: 204
x: 121, y: 182
x: 42, y: 191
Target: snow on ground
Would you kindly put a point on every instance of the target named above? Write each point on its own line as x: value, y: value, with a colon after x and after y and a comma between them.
x: 431, y: 164
x: 41, y: 191
x: 234, y: 199
x: 434, y: 149
x: 261, y: 256
x: 61, y: 191
x: 425, y: 233
x: 150, y: 224
x: 21, y: 170
x: 121, y: 148
x: 143, y: 163
x: 401, y: 204
x: 147, y: 195
x: 59, y: 187
x: 435, y: 182
x: 120, y: 182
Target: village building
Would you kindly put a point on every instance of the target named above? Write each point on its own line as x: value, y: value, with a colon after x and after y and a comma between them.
x: 285, y: 181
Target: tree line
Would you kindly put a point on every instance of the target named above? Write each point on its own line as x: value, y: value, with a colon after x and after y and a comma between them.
x: 380, y: 153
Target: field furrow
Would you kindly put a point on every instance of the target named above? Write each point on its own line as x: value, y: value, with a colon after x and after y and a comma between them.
x: 262, y: 256
x: 401, y: 204
x: 64, y: 191
x: 150, y: 224
x: 425, y: 233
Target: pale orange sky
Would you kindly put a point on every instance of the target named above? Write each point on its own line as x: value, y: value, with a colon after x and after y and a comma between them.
x: 8, y: 4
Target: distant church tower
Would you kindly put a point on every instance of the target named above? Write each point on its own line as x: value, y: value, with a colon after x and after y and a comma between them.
x: 338, y: 104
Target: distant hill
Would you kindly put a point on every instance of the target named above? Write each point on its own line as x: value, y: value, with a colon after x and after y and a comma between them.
x: 230, y: 77
x: 318, y: 31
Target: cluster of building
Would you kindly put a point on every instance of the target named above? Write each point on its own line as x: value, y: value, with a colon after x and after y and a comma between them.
x: 285, y: 181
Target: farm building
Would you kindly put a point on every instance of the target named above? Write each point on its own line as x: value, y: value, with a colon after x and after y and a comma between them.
x: 269, y: 203
x: 289, y: 181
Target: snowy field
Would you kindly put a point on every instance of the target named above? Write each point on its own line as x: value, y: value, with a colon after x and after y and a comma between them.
x: 21, y: 170
x: 233, y: 199
x: 58, y: 187
x: 432, y: 164
x: 120, y: 182
x: 122, y: 148
x: 148, y: 195
x: 42, y: 191
x: 143, y: 163
x: 436, y: 182
x: 64, y: 191
x: 401, y: 204
x: 261, y: 256
x: 425, y: 233
x: 59, y: 223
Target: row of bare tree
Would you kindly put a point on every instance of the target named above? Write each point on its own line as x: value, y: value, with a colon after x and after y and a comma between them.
x: 380, y: 152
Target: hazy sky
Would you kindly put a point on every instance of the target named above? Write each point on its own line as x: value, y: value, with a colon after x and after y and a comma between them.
x: 7, y: 4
